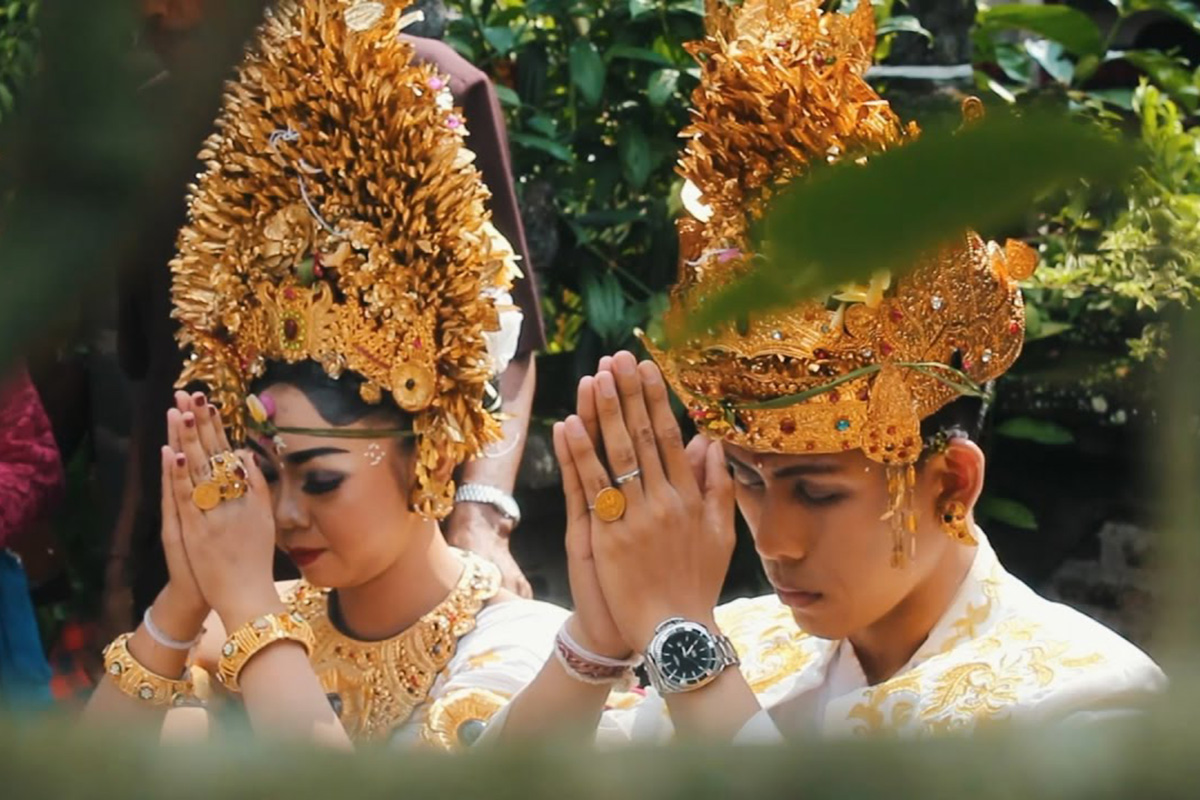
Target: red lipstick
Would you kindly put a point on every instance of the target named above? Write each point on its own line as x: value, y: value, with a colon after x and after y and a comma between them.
x: 303, y: 556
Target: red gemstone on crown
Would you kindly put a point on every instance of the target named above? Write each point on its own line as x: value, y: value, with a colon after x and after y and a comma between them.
x: 291, y: 329
x: 886, y: 349
x: 896, y: 315
x: 787, y: 426
x: 289, y: 293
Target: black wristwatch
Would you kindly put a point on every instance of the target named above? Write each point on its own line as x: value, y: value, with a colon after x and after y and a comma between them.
x: 684, y: 656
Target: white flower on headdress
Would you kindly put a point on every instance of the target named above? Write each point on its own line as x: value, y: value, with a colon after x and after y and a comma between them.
x: 693, y: 201
x: 502, y: 343
x: 363, y: 16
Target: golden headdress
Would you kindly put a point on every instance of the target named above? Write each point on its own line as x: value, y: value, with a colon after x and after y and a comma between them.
x: 783, y: 87
x: 340, y: 220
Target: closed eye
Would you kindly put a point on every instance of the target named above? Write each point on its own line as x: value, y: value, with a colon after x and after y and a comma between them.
x: 744, y: 477
x: 320, y: 482
x: 816, y: 495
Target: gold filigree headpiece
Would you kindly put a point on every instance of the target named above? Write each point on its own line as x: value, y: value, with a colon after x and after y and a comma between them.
x: 782, y: 88
x: 340, y: 220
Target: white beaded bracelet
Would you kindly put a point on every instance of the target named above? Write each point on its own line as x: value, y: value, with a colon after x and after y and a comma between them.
x: 596, y: 658
x: 164, y: 640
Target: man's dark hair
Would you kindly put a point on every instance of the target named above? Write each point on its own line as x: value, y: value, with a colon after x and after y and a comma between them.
x: 961, y: 418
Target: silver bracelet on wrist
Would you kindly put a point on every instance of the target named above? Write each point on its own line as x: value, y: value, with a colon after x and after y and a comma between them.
x: 166, y: 641
x: 492, y: 496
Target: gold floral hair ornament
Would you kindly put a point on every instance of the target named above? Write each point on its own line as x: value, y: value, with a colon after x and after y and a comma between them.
x: 340, y: 220
x: 783, y: 88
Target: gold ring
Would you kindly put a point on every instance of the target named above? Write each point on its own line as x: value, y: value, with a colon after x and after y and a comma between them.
x: 228, y: 482
x: 609, y: 505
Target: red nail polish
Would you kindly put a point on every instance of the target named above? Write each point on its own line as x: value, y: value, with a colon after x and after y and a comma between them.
x: 189, y: 421
x: 180, y: 459
x: 212, y: 411
x: 200, y: 400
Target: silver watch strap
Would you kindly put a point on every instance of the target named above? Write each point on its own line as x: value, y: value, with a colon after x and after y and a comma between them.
x: 498, y: 499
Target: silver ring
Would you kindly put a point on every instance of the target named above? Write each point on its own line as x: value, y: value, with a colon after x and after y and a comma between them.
x: 621, y: 480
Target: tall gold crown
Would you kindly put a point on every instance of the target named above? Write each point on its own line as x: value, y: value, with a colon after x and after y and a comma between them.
x: 783, y: 88
x: 340, y: 220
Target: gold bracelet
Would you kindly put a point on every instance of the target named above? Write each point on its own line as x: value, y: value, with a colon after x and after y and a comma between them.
x: 133, y: 679
x: 257, y: 634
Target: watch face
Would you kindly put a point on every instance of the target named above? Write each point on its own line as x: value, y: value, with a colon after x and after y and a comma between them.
x: 688, y: 656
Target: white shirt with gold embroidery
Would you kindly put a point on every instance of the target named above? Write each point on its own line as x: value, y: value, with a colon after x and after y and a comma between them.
x: 999, y: 653
x: 509, y: 645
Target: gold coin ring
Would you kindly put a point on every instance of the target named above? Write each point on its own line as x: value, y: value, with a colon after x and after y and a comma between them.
x: 228, y: 482
x: 609, y: 505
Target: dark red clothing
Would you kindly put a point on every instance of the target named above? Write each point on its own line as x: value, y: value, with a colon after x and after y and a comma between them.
x: 31, y: 473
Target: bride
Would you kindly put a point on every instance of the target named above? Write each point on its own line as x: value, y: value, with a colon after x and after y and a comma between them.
x: 344, y: 301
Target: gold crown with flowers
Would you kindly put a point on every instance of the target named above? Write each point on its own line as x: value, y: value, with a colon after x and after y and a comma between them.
x: 340, y: 220
x: 782, y: 88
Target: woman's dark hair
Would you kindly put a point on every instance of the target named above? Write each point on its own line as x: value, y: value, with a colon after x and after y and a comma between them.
x: 337, y: 401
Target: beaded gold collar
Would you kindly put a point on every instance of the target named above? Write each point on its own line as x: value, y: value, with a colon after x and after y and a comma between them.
x: 376, y: 686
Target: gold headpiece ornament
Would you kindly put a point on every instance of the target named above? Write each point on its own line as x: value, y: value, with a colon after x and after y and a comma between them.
x: 783, y: 87
x: 340, y: 220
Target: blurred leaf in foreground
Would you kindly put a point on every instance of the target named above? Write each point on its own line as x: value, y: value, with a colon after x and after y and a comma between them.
x: 846, y: 222
x: 86, y: 172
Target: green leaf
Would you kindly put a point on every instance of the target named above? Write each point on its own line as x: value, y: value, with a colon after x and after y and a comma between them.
x: 1051, y: 57
x: 634, y: 150
x: 662, y: 86
x: 604, y: 306
x: 904, y: 23
x: 638, y: 8
x: 556, y: 149
x: 502, y: 39
x: 813, y: 248
x: 1009, y: 512
x: 547, y: 126
x: 1035, y: 430
x: 1169, y: 73
x: 636, y: 54
x: 1071, y: 28
x: 1016, y: 63
x: 587, y: 71
x: 1180, y: 9
x: 507, y: 96
x: 687, y: 6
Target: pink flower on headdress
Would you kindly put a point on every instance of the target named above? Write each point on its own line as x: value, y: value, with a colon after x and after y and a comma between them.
x: 728, y: 254
x: 454, y: 121
x: 437, y: 84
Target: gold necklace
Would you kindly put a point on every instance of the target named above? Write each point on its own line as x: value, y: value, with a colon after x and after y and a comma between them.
x: 375, y: 686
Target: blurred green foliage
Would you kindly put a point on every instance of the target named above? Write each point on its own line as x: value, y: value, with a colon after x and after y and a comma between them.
x: 1119, y: 255
x: 18, y: 50
x: 1095, y: 763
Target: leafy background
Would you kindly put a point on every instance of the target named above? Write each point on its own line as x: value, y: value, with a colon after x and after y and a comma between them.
x: 595, y: 94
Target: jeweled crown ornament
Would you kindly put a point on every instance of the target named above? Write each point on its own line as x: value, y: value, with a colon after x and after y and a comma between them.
x: 783, y: 88
x: 340, y: 220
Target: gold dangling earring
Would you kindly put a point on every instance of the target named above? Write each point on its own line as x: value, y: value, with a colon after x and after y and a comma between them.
x: 954, y: 523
